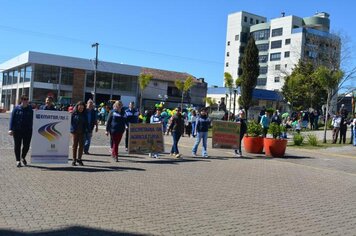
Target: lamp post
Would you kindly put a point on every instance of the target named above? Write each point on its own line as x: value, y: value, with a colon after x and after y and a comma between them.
x: 235, y: 90
x: 96, y: 45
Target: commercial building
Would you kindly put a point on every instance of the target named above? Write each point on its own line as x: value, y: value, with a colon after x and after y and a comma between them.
x: 281, y: 42
x: 40, y: 75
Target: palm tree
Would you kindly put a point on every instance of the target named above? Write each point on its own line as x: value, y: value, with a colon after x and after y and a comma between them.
x: 143, y: 80
x: 228, y: 81
x: 184, y: 87
x: 211, y: 101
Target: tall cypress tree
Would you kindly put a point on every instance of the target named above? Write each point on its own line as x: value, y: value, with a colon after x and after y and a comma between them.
x: 250, y: 72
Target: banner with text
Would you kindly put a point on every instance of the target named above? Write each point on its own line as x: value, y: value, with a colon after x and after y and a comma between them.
x: 145, y: 138
x: 226, y: 134
x: 50, y: 137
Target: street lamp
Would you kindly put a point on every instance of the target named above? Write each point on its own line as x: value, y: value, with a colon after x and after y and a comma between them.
x: 96, y: 45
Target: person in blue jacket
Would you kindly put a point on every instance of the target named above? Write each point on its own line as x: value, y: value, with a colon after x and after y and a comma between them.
x: 201, y: 132
x: 79, y: 127
x: 116, y: 126
x: 21, y: 122
x: 131, y: 117
x: 92, y: 117
x: 49, y: 104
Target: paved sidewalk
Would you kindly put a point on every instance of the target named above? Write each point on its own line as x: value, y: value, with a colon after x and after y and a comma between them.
x: 306, y: 193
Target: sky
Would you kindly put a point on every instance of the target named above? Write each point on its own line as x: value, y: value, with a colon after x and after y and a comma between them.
x: 177, y: 35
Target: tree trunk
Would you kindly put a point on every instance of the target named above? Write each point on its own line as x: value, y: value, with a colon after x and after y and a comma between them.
x: 228, y: 114
x: 141, y: 103
x: 326, y: 117
x: 181, y: 104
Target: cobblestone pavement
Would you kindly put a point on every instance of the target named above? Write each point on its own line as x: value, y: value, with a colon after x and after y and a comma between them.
x: 306, y: 193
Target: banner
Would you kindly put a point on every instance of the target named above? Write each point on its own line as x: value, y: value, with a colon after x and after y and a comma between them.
x: 145, y: 138
x: 226, y: 134
x: 50, y: 137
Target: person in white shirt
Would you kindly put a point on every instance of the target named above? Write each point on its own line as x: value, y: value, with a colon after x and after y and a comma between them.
x: 336, y: 122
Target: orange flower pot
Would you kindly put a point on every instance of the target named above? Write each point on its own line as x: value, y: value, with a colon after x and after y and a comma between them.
x: 275, y: 147
x: 253, y: 144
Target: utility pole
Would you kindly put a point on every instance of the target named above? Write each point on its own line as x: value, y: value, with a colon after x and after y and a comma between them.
x: 96, y: 45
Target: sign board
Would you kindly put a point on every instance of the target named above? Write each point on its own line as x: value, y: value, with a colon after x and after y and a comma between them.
x: 50, y: 137
x: 145, y: 138
x: 226, y: 134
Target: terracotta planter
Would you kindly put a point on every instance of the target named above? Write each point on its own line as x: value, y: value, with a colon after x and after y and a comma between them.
x: 253, y: 144
x: 275, y: 147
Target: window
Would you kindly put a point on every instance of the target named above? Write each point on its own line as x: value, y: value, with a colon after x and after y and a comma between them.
x: 263, y: 70
x: 244, y: 37
x: 262, y: 47
x: 226, y: 64
x: 276, y: 79
x: 104, y: 80
x: 125, y: 83
x: 277, y: 32
x: 245, y: 19
x: 286, y: 54
x: 287, y: 42
x: 14, y: 79
x: 275, y: 56
x: 257, y: 21
x: 46, y: 74
x: 276, y: 44
x: 22, y: 74
x: 5, y: 78
x: 28, y: 73
x: 262, y: 58
x: 251, y: 21
x: 228, y: 43
x: 237, y: 37
x: 261, y: 81
x: 261, y: 35
x: 68, y: 75
x: 311, y: 54
x: 277, y: 67
x: 227, y: 54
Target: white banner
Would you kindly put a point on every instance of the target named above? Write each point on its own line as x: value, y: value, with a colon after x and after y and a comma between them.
x: 50, y: 137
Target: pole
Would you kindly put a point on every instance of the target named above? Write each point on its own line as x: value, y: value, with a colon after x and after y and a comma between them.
x: 96, y: 45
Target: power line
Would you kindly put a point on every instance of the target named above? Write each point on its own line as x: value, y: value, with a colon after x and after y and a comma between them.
x: 57, y: 37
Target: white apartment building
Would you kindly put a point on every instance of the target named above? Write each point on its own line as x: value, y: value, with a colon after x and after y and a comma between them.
x: 281, y: 42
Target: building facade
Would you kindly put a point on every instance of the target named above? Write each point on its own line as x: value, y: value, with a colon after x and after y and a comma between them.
x: 281, y: 42
x: 40, y: 75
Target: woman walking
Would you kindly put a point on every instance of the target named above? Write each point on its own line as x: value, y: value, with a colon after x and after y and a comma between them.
x: 115, y: 126
x: 21, y: 129
x: 177, y: 127
x: 79, y: 128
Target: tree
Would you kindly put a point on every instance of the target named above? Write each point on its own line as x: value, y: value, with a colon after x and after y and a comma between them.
x: 330, y: 80
x: 211, y: 101
x: 184, y: 86
x: 250, y: 72
x: 143, y: 80
x: 228, y: 81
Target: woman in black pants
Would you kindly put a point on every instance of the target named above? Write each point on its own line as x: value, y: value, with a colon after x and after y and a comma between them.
x: 21, y: 129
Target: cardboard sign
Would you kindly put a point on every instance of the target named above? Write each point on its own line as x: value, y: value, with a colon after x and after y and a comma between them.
x: 226, y: 134
x: 145, y: 138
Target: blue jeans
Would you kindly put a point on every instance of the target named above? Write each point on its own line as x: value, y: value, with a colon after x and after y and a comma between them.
x: 87, y: 141
x: 200, y: 136
x: 193, y: 128
x: 354, y: 141
x: 176, y: 136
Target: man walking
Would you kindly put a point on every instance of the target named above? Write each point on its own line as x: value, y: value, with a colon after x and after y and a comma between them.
x: 92, y: 117
x: 131, y: 117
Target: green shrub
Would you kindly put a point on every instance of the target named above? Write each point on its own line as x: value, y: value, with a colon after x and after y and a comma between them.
x: 275, y: 130
x: 254, y: 129
x: 312, y: 139
x: 298, y: 139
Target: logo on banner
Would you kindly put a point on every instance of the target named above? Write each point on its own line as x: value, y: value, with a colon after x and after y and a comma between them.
x: 49, y: 131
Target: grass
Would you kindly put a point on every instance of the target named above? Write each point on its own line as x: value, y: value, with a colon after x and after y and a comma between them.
x: 320, y: 145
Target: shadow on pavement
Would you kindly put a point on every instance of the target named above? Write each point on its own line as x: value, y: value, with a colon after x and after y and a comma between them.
x: 166, y: 161
x: 75, y: 230
x: 86, y: 169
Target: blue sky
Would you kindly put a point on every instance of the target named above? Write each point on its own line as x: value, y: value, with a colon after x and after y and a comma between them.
x: 182, y: 35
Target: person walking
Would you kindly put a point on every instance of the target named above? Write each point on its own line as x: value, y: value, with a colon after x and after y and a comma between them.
x: 49, y: 105
x: 79, y: 127
x: 177, y: 127
x: 131, y: 117
x: 194, y: 122
x: 265, y: 123
x: 21, y: 122
x: 156, y: 118
x: 92, y: 117
x: 201, y: 132
x: 243, y: 129
x: 336, y: 123
x: 115, y: 126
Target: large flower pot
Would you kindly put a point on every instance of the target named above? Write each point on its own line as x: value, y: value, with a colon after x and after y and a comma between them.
x: 275, y: 147
x: 253, y: 144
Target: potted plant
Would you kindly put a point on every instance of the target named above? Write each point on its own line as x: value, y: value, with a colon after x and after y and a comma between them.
x: 275, y: 146
x: 253, y: 141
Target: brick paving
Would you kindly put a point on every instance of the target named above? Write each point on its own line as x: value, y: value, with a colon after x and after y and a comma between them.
x: 307, y: 193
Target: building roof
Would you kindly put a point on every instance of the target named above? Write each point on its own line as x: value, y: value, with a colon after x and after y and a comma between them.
x: 259, y: 94
x: 87, y: 64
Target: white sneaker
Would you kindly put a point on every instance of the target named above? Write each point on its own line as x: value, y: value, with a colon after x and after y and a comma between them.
x: 194, y: 154
x: 206, y: 156
x: 155, y: 156
x: 178, y: 155
x: 149, y: 154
